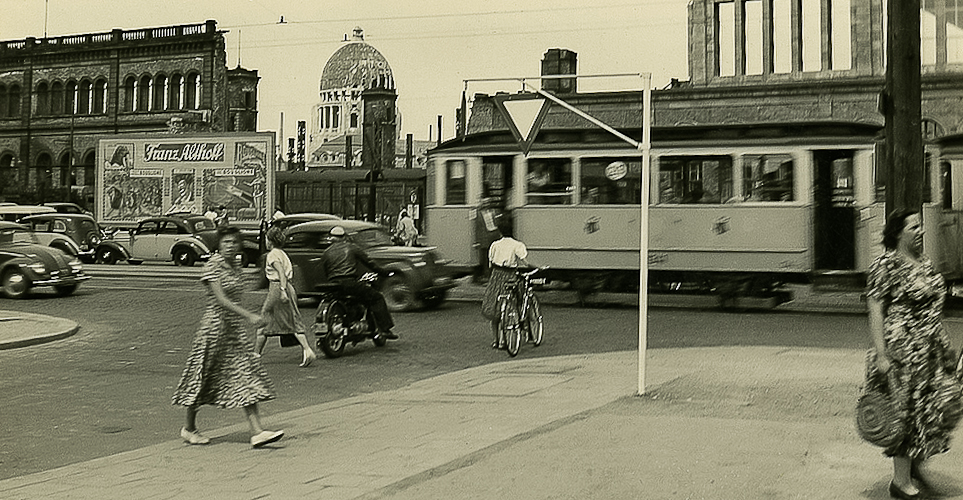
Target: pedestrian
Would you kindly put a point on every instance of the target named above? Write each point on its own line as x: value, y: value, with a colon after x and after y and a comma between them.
x: 406, y: 229
x: 905, y: 298
x: 280, y: 309
x: 505, y: 256
x: 222, y: 218
x: 222, y: 369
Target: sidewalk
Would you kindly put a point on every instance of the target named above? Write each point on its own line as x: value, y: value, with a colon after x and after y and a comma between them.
x: 21, y: 329
x: 716, y: 423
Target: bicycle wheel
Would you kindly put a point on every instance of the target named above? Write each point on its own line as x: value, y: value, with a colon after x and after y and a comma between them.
x: 533, y: 321
x: 511, y: 328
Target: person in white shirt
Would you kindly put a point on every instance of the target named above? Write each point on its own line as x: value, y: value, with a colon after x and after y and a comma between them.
x: 406, y: 229
x: 505, y: 256
x: 280, y: 309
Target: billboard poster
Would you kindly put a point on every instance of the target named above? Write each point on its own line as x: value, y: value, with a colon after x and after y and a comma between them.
x: 240, y: 188
x: 129, y: 192
x: 144, y: 176
x: 182, y: 191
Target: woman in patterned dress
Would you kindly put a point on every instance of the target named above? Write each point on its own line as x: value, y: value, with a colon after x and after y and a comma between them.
x: 905, y: 300
x: 280, y: 309
x: 222, y: 369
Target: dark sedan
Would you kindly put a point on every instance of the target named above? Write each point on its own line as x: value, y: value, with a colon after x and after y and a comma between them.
x: 26, y: 263
x: 421, y: 277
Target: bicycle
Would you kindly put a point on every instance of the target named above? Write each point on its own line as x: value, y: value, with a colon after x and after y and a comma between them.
x: 520, y: 312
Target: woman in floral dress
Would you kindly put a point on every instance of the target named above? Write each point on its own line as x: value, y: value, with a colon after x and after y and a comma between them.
x: 905, y: 300
x: 222, y: 369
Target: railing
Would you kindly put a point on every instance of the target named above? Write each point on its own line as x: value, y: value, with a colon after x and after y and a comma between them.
x: 113, y: 36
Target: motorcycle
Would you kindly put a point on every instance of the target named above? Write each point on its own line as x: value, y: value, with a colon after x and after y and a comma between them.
x: 343, y: 318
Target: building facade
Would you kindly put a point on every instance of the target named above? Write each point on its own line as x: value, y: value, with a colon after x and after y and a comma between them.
x: 60, y: 95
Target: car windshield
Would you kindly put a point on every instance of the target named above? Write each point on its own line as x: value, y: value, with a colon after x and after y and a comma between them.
x: 12, y: 236
x: 201, y: 224
x: 374, y: 237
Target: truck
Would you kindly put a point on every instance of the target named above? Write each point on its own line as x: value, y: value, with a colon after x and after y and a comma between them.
x: 143, y: 176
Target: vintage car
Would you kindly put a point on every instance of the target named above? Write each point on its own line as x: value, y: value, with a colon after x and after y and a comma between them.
x: 66, y: 207
x: 421, y: 277
x: 181, y: 238
x: 253, y: 234
x: 90, y: 240
x: 26, y: 263
x: 13, y: 212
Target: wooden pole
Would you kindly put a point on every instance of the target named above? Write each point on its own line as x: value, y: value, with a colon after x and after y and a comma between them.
x: 902, y: 101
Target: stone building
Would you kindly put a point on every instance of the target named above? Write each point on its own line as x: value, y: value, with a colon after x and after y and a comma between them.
x: 60, y: 95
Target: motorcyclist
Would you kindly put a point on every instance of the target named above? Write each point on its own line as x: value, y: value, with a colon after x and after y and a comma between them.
x: 340, y: 264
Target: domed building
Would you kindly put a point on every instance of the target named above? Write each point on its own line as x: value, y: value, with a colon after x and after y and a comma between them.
x: 355, y: 67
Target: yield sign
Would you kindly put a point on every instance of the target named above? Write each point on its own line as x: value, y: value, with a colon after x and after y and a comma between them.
x: 525, y: 112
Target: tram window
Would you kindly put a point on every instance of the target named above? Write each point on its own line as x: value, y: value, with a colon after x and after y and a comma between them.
x: 497, y: 180
x: 611, y: 181
x: 769, y: 178
x: 695, y: 179
x: 455, y: 185
x: 549, y: 181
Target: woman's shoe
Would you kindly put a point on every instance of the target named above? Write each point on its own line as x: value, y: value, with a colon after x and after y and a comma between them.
x: 897, y: 492
x: 193, y: 437
x: 265, y: 437
x: 307, y: 357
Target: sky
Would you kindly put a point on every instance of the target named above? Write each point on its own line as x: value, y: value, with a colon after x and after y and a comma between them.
x: 432, y: 46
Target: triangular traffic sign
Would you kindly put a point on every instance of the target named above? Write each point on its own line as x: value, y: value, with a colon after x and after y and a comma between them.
x: 524, y: 114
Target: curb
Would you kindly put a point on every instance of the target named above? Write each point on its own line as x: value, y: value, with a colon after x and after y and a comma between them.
x: 44, y: 329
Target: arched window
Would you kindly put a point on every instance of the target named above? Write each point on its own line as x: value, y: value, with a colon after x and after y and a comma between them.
x: 83, y: 97
x: 70, y: 98
x: 43, y: 99
x: 99, y: 101
x: 13, y: 108
x: 130, y: 94
x: 354, y: 120
x: 3, y: 102
x: 57, y: 98
x: 176, y: 99
x: 143, y: 94
x: 160, y: 93
x: 192, y: 91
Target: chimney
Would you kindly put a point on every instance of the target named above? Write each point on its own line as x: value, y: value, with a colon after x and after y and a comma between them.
x: 559, y: 62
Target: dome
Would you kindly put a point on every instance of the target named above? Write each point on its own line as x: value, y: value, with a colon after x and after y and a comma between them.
x: 356, y: 64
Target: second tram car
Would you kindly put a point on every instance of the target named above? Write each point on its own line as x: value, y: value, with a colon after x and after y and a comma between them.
x: 735, y: 210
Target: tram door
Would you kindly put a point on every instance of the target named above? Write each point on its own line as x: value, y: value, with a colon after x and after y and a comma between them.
x: 834, y: 212
x: 496, y: 192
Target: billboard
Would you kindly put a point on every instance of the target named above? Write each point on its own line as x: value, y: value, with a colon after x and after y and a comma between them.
x: 143, y: 176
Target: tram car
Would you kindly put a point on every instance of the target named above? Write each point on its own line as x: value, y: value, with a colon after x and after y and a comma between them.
x: 735, y: 209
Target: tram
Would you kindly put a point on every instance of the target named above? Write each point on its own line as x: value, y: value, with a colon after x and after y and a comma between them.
x: 738, y: 210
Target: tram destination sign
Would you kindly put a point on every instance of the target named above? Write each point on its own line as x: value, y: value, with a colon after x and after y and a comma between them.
x: 184, y: 152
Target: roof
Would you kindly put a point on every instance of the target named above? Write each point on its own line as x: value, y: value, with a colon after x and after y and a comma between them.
x: 326, y: 225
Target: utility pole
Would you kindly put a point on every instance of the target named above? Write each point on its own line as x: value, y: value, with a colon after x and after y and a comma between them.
x: 901, y: 106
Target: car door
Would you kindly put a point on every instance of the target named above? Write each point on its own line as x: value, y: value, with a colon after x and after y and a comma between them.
x: 168, y: 234
x: 143, y: 240
x: 305, y: 250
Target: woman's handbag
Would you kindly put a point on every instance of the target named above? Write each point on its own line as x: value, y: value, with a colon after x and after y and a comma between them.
x: 878, y: 420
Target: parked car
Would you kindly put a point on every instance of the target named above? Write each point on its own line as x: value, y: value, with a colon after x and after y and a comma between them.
x: 26, y: 263
x: 181, y: 238
x: 66, y: 208
x: 12, y: 212
x: 90, y: 239
x: 421, y: 277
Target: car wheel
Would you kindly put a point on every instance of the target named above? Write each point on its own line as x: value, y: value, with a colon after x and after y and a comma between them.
x: 184, y: 257
x: 65, y: 290
x: 435, y: 301
x: 106, y: 256
x: 15, y: 284
x: 399, y: 296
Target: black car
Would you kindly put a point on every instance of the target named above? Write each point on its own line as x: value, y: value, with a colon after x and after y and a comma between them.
x: 91, y: 240
x: 26, y: 263
x: 253, y: 234
x: 421, y: 277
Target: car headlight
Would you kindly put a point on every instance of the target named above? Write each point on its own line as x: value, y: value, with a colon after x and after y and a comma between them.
x: 37, y: 267
x: 75, y: 265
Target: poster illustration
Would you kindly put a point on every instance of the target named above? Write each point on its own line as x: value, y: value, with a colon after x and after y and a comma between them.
x: 182, y: 191
x: 241, y: 189
x: 129, y: 192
